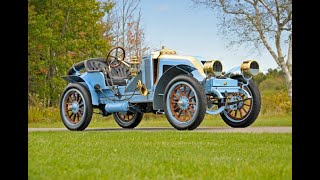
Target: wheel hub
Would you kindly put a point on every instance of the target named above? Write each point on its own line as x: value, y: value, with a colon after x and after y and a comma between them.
x: 237, y: 105
x: 183, y: 102
x: 75, y: 107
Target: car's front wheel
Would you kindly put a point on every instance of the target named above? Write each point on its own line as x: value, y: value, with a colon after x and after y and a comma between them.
x: 245, y: 111
x: 184, y: 103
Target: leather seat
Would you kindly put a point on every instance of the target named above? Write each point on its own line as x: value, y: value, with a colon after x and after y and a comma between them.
x: 118, y: 75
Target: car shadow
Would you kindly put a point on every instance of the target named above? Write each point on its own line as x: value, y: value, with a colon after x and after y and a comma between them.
x: 157, y: 129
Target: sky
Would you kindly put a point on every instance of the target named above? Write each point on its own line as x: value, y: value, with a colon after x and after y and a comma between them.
x: 190, y: 30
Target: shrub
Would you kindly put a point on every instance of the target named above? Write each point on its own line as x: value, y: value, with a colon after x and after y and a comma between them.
x: 278, y: 83
x: 275, y: 102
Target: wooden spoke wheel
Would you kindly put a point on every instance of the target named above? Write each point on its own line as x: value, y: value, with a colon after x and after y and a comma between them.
x: 128, y: 119
x: 75, y: 107
x: 184, y: 102
x: 246, y: 110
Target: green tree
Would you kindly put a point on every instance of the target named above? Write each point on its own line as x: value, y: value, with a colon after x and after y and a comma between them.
x: 60, y: 33
x: 260, y: 77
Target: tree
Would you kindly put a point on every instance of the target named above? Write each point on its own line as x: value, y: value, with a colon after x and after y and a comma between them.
x: 127, y: 30
x: 261, y: 23
x: 60, y: 33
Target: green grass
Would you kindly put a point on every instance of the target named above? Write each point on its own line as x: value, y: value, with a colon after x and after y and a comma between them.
x: 158, y: 155
x: 151, y: 120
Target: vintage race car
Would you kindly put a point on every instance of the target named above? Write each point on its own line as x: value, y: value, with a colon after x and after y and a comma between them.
x: 183, y: 88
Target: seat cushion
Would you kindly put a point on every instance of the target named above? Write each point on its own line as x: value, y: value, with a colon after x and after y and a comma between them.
x: 118, y: 74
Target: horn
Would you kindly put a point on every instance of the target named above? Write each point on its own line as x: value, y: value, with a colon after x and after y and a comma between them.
x: 142, y: 88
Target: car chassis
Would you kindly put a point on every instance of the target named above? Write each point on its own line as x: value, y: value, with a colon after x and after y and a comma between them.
x: 181, y: 87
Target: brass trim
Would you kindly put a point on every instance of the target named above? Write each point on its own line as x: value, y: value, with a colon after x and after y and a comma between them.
x: 142, y: 88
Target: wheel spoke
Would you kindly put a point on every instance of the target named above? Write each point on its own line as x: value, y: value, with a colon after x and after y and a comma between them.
x: 180, y: 93
x: 185, y: 90
x: 244, y: 110
x: 70, y: 116
x: 174, y: 101
x: 230, y: 112
x: 189, y: 114
x: 240, y: 113
x: 79, y: 100
x: 189, y: 92
x: 180, y: 113
x: 176, y: 108
x: 176, y: 95
x: 185, y: 115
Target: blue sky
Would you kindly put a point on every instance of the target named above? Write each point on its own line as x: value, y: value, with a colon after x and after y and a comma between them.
x: 190, y: 30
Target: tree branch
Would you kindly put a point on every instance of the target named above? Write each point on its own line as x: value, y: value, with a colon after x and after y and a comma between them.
x: 268, y: 8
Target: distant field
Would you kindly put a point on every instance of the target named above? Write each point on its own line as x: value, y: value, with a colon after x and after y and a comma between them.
x: 158, y: 155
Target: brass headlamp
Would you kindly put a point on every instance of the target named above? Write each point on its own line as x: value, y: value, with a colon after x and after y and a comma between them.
x: 213, y: 68
x: 134, y: 63
x: 249, y: 68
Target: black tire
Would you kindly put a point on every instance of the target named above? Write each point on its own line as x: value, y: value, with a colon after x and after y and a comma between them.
x: 176, y: 105
x: 134, y: 119
x: 78, y: 114
x: 253, y: 111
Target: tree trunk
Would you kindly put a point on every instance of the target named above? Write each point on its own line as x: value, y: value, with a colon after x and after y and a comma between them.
x: 287, y: 75
x: 289, y: 65
x: 51, y: 75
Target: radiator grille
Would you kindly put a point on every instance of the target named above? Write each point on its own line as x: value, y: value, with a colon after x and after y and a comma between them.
x: 148, y: 73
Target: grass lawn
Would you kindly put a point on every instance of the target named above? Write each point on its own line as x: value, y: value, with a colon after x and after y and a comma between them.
x: 159, y: 155
x: 152, y: 120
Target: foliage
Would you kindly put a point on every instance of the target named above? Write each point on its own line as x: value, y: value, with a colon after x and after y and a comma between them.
x: 275, y: 102
x: 159, y: 155
x: 259, y: 78
x: 273, y: 84
x: 59, y: 34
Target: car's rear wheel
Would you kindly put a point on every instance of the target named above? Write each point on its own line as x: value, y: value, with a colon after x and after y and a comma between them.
x: 76, y: 107
x: 128, y: 119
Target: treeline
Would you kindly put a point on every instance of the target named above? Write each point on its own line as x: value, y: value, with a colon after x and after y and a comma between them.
x: 64, y: 32
x: 273, y: 79
x: 274, y: 92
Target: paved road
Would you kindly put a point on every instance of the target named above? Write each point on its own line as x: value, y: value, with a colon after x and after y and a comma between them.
x: 199, y: 129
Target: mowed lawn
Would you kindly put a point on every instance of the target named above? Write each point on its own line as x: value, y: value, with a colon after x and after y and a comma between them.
x: 152, y: 120
x: 159, y: 155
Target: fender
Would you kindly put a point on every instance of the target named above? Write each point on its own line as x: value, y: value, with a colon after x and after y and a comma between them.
x: 168, y: 75
x: 89, y: 79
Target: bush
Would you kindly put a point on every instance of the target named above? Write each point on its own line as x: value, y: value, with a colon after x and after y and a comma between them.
x: 275, y: 102
x: 43, y: 114
x: 276, y: 84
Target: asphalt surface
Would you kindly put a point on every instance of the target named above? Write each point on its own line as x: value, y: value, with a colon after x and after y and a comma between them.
x: 199, y: 129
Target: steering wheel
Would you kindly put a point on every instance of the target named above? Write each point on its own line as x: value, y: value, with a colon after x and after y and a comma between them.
x: 116, y: 56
